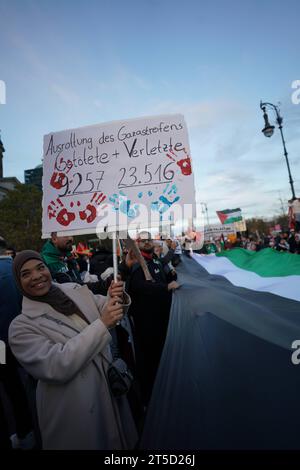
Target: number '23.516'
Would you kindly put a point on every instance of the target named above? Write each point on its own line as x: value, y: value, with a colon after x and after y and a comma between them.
x: 160, y: 175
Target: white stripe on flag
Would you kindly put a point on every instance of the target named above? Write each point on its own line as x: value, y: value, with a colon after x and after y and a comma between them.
x: 287, y: 286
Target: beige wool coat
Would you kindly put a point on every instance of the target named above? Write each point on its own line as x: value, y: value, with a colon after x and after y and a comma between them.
x: 75, y: 407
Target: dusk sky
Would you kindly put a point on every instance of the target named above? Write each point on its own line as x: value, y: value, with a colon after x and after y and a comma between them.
x: 71, y: 64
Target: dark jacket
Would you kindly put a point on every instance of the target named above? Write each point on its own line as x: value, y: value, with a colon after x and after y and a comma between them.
x: 64, y: 269
x: 150, y: 309
x: 100, y: 261
x: 10, y: 297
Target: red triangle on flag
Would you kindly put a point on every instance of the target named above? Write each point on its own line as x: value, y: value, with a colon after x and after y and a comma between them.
x: 222, y: 216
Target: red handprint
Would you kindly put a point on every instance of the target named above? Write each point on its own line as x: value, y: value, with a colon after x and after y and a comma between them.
x: 90, y: 212
x: 57, y: 180
x: 184, y: 164
x: 58, y: 211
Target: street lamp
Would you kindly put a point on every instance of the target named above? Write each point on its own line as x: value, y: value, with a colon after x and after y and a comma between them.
x: 204, y: 208
x: 268, y: 131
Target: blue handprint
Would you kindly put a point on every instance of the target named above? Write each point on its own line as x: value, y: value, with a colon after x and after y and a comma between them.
x: 164, y: 203
x: 120, y: 201
x: 141, y: 194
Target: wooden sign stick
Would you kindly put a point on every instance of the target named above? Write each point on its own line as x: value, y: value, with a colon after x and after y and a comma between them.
x: 131, y: 245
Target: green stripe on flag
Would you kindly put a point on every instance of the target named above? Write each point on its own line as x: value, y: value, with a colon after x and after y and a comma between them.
x: 230, y: 220
x: 265, y: 263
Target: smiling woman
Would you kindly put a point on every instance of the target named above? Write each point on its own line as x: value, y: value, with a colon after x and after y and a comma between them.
x: 62, y: 339
x: 35, y: 278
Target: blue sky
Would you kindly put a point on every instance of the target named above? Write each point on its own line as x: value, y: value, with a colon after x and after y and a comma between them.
x: 71, y: 64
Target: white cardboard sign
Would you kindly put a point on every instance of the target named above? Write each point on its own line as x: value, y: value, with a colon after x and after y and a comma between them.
x: 114, y: 174
x: 216, y: 230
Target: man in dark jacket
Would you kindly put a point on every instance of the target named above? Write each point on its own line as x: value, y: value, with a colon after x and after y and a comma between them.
x: 150, y: 309
x: 63, y: 267
x: 102, y: 257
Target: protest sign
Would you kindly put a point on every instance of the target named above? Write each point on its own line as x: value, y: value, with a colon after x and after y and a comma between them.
x: 240, y: 226
x: 215, y: 231
x: 110, y: 175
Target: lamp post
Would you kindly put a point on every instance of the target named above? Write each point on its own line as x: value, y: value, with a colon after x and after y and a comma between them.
x: 268, y: 131
x: 2, y: 150
x: 204, y: 208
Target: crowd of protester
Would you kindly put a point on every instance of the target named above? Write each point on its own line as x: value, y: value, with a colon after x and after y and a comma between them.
x: 286, y: 241
x: 57, y: 350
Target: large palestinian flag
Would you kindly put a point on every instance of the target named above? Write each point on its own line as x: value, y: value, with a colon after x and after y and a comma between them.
x: 228, y: 216
x: 266, y: 270
x: 226, y: 379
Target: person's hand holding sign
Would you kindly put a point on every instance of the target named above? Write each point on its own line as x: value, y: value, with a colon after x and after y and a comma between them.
x: 173, y: 285
x: 130, y: 259
x: 117, y: 294
x: 112, y: 313
x: 116, y: 288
